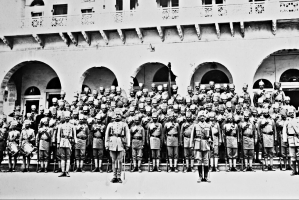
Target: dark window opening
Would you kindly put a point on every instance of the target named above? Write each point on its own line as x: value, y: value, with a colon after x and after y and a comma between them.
x: 60, y: 9
x: 175, y: 3
x: 164, y: 3
x: 267, y: 83
x: 54, y: 84
x: 214, y: 75
x: 219, y: 2
x: 36, y: 14
x: 206, y: 2
x: 133, y: 4
x: 86, y: 10
x: 37, y: 3
x: 119, y: 5
x: 162, y: 75
x: 290, y: 75
x: 32, y: 91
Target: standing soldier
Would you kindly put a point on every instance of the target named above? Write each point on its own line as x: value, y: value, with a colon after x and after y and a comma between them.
x: 43, y: 139
x: 13, y: 145
x: 98, y: 133
x: 154, y: 133
x: 200, y: 138
x: 117, y: 140
x: 248, y: 134
x: 171, y: 133
x: 3, y: 139
x: 267, y: 132
x: 27, y: 138
x: 290, y: 136
x: 66, y: 136
x: 138, y: 141
x: 231, y: 133
x: 217, y: 140
x: 284, y: 151
x: 82, y: 133
x: 186, y: 129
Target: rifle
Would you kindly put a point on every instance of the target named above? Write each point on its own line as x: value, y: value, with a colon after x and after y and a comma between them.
x: 295, y: 156
x: 108, y: 163
x: 149, y: 157
x: 167, y: 160
x: 124, y: 157
x: 242, y: 149
x: 226, y: 157
x: 184, y: 165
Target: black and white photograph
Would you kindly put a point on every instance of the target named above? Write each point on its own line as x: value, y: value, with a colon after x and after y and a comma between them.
x: 149, y: 99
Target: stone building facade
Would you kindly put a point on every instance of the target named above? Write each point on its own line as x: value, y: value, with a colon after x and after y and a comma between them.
x: 49, y: 46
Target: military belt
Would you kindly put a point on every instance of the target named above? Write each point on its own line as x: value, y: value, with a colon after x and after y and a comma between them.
x: 66, y: 137
x: 98, y: 137
x: 137, y: 137
x: 156, y: 136
x: 270, y: 133
x: 172, y: 135
x: 47, y: 140
x: 248, y: 135
x: 82, y: 137
x: 187, y: 136
x: 117, y: 135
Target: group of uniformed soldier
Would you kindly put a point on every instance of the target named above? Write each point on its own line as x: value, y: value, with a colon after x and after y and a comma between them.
x: 211, y: 120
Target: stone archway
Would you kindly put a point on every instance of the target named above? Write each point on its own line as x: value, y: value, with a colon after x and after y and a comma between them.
x: 213, y: 71
x: 21, y: 77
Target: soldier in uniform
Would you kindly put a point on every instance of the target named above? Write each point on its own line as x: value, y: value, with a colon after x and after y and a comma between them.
x: 267, y: 132
x: 117, y: 140
x: 171, y: 133
x: 217, y: 140
x: 290, y: 136
x: 138, y: 140
x: 3, y: 140
x: 27, y: 136
x: 284, y: 150
x: 248, y: 134
x: 200, y: 140
x: 186, y: 129
x: 66, y: 137
x: 82, y: 133
x: 155, y: 140
x: 43, y: 139
x: 98, y: 132
x: 231, y: 138
x: 13, y: 140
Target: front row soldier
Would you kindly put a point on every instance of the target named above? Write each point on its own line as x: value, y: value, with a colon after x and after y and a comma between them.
x: 172, y: 137
x: 82, y: 133
x: 231, y: 138
x: 43, y: 139
x: 217, y: 140
x: 98, y: 132
x: 138, y: 140
x: 291, y: 136
x: 66, y: 137
x: 186, y: 134
x: 248, y: 139
x: 27, y: 137
x: 117, y: 141
x: 200, y: 141
x: 13, y: 146
x: 267, y: 132
x: 3, y: 139
x: 155, y: 139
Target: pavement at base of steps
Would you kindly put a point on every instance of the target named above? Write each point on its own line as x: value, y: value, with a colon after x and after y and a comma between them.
x: 145, y: 185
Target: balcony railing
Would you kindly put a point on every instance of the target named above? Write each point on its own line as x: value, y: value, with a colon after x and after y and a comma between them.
x: 150, y: 18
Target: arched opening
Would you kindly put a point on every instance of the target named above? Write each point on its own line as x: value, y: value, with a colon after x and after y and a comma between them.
x: 290, y: 75
x: 214, y: 75
x: 152, y: 72
x: 37, y: 3
x: 32, y: 91
x: 268, y: 84
x: 97, y: 77
x: 25, y: 82
x: 282, y: 66
x: 54, y: 83
x: 211, y: 71
x: 162, y: 75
